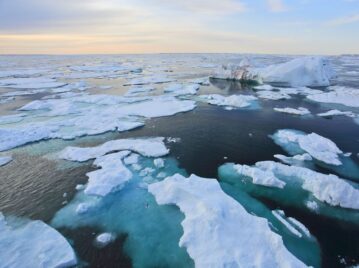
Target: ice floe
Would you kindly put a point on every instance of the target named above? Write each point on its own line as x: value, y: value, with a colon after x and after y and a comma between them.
x: 214, y: 222
x: 338, y: 95
x: 329, y: 189
x: 151, y: 147
x: 298, y: 111
x: 272, y: 95
x: 133, y: 91
x: 182, y: 89
x: 31, y: 244
x: 145, y: 80
x: 104, y: 239
x: 337, y: 113
x: 317, y: 146
x: 237, y: 101
x: 31, y: 83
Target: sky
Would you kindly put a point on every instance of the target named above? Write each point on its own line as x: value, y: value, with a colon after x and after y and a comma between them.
x: 179, y: 26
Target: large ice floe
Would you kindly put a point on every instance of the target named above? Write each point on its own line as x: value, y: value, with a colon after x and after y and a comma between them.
x: 338, y: 95
x: 304, y: 71
x: 214, y: 222
x: 298, y: 111
x: 68, y: 118
x: 324, y: 151
x: 31, y: 244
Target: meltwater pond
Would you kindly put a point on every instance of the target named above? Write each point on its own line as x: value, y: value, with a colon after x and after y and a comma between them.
x: 202, y: 134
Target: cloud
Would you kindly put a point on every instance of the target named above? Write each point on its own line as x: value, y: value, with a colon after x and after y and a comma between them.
x: 276, y: 6
x: 344, y: 20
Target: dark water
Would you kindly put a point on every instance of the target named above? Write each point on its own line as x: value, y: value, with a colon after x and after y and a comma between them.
x: 33, y: 186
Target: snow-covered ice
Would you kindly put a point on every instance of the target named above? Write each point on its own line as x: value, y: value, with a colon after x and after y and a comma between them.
x: 298, y: 111
x: 237, y: 101
x: 31, y: 244
x: 104, y: 239
x: 317, y: 146
x: 215, y: 223
x: 336, y: 112
x: 338, y: 95
x: 31, y: 83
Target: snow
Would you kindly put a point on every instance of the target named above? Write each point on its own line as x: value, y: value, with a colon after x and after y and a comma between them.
x: 5, y: 160
x: 338, y: 95
x: 238, y: 101
x: 299, y: 111
x: 211, y: 232
x: 304, y: 71
x: 336, y: 112
x: 151, y: 147
x: 317, y: 146
x: 258, y: 176
x: 329, y: 189
x: 104, y: 239
x: 33, y: 244
x: 112, y: 175
x: 31, y: 83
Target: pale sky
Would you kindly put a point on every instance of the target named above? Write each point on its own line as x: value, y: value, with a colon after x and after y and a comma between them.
x: 153, y: 26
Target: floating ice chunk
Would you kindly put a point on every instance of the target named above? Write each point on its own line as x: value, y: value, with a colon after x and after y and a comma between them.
x: 155, y: 79
x: 5, y: 160
x: 159, y: 163
x: 242, y: 72
x: 83, y: 208
x: 131, y: 159
x: 33, y: 244
x: 112, y: 175
x: 299, y: 111
x: 300, y: 226
x: 151, y: 147
x: 157, y: 107
x: 338, y: 95
x: 31, y: 83
x: 272, y: 95
x: 317, y: 146
x: 238, y: 101
x: 211, y: 224
x: 104, y: 239
x: 312, y: 205
x: 259, y: 176
x: 305, y: 71
x: 336, y: 113
x: 327, y: 188
x: 80, y: 187
x: 294, y: 159
x: 146, y: 171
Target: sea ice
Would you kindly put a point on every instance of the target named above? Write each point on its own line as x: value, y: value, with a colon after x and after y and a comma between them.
x: 151, y: 147
x: 5, y: 160
x: 31, y: 244
x: 216, y: 223
x: 181, y: 89
x: 145, y: 80
x: 299, y: 111
x: 336, y: 113
x: 31, y: 83
x: 317, y: 146
x: 272, y: 95
x: 338, y: 95
x: 104, y: 239
x: 238, y: 101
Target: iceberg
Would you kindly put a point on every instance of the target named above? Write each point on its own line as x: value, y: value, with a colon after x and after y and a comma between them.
x: 31, y: 244
x: 299, y: 111
x: 299, y: 72
x: 216, y: 223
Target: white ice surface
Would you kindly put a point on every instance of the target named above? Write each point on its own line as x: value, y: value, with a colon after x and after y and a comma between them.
x: 238, y: 101
x: 298, y: 111
x: 5, y: 160
x: 217, y: 230
x: 33, y: 244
